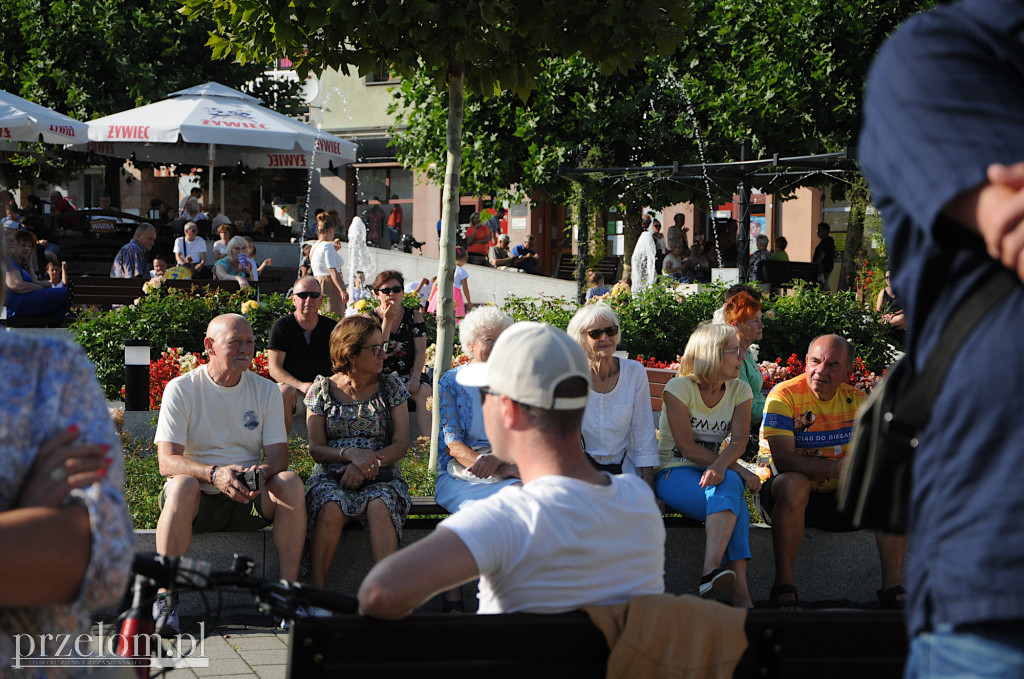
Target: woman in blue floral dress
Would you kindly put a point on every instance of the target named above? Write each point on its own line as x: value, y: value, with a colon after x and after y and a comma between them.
x: 358, y: 423
x: 66, y: 535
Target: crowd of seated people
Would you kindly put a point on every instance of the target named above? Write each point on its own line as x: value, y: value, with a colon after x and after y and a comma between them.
x: 519, y: 433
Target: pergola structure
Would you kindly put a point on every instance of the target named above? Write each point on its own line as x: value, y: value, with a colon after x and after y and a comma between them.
x: 771, y: 174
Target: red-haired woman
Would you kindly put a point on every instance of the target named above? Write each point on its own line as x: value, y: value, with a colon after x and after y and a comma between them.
x: 743, y: 312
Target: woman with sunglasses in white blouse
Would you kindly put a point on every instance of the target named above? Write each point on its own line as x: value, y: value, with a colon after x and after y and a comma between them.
x: 618, y: 429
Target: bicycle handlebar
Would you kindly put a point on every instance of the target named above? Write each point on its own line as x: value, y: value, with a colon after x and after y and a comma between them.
x: 281, y: 596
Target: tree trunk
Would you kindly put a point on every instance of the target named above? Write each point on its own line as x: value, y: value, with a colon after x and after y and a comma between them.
x: 582, y: 243
x: 446, y: 261
x: 858, y: 197
x: 598, y: 235
x: 631, y: 229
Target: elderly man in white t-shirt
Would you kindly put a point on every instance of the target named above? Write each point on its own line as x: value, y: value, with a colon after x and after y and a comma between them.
x: 570, y: 536
x: 214, y: 421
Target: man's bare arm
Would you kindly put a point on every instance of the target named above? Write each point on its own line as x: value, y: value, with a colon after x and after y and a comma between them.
x: 787, y: 459
x: 410, y: 576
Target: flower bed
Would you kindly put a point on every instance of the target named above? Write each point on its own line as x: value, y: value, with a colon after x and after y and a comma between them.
x: 175, y: 362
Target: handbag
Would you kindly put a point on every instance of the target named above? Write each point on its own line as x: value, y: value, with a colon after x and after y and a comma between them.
x: 384, y: 474
x: 875, y: 484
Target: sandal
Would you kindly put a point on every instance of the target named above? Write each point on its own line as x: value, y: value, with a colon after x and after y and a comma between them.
x: 789, y: 604
x: 887, y: 598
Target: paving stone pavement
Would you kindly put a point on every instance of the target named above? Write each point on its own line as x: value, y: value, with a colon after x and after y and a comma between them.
x: 251, y: 647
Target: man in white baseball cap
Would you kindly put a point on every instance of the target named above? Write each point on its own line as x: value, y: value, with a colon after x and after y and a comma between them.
x: 570, y: 536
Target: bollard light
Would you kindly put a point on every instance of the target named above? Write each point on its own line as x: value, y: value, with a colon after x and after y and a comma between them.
x: 136, y: 375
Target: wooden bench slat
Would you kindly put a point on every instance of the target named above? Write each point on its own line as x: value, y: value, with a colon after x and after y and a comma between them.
x: 834, y: 644
x: 103, y: 291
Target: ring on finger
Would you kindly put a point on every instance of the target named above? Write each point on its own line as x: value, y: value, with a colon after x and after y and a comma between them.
x: 57, y: 475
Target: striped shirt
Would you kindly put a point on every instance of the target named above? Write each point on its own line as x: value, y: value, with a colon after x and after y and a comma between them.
x: 820, y: 428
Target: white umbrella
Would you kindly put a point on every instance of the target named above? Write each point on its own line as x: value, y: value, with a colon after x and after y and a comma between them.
x: 21, y: 120
x: 212, y: 124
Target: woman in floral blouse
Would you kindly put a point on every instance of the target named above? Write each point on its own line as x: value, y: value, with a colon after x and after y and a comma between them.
x: 406, y: 333
x: 358, y: 423
x: 67, y: 537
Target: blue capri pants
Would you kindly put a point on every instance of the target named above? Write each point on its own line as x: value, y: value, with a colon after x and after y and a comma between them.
x: 679, y: 488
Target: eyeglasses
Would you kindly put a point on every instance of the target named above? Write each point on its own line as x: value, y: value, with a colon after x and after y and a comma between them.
x: 377, y: 349
x: 388, y: 291
x: 611, y: 331
x: 308, y: 294
x: 483, y: 394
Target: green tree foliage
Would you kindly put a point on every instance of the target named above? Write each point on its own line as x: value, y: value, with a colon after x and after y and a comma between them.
x: 512, y: 147
x: 485, y: 47
x: 578, y: 116
x: 89, y: 59
x: 787, y: 75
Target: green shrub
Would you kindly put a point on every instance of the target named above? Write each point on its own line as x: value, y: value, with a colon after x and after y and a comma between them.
x: 554, y: 310
x: 167, y: 318
x: 792, y: 321
x: 658, y: 321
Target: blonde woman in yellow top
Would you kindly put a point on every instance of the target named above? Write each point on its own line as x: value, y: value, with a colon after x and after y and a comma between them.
x: 698, y: 477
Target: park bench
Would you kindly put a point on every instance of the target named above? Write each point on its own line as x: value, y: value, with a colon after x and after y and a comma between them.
x: 200, y: 285
x: 57, y: 321
x: 657, y: 378
x: 609, y: 266
x: 781, y: 274
x: 790, y: 644
x: 102, y: 291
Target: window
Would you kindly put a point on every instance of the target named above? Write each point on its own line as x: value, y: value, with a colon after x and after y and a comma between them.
x: 387, y: 189
x: 379, y: 76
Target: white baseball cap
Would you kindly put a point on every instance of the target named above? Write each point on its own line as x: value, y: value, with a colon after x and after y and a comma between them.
x: 528, y: 362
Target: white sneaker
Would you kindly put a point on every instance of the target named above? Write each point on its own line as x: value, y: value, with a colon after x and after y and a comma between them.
x: 318, y: 612
x: 165, y: 616
x: 300, y: 612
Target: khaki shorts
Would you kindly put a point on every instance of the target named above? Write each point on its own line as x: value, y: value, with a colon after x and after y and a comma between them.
x: 219, y: 513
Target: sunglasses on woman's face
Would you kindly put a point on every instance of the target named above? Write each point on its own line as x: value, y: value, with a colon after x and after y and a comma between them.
x: 611, y: 331
x: 388, y: 291
x: 377, y: 349
x: 308, y: 294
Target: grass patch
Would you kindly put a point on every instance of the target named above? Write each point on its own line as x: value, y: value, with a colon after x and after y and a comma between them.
x: 143, y: 481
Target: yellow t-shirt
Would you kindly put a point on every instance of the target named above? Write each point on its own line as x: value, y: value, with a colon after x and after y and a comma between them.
x: 820, y: 428
x: 710, y: 425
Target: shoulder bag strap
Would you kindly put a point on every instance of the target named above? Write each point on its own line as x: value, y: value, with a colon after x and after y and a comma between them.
x: 916, y: 404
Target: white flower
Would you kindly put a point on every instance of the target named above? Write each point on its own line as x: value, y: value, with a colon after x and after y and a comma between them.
x: 188, y: 363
